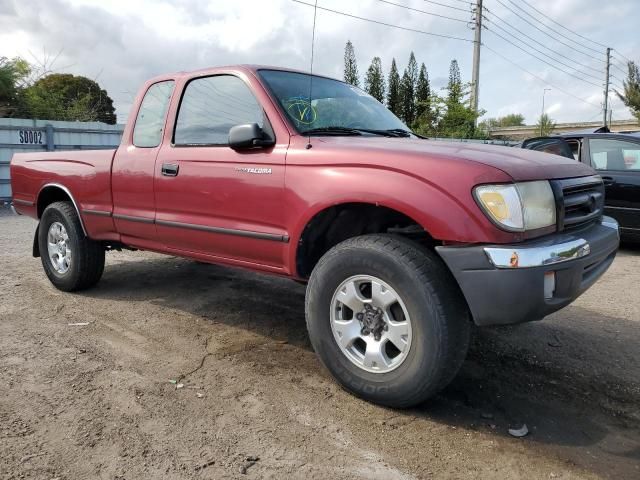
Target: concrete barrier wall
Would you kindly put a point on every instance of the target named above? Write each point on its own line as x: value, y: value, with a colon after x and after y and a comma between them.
x: 19, y: 135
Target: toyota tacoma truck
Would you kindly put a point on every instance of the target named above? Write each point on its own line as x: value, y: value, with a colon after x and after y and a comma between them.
x: 403, y: 242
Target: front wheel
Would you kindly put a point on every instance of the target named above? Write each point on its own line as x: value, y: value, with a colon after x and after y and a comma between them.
x: 70, y: 259
x: 387, y: 319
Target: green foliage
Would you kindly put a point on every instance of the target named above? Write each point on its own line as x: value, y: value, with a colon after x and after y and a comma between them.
x: 411, y: 99
x: 393, y: 94
x: 351, y: 75
x: 452, y: 115
x: 454, y: 87
x: 13, y: 75
x: 511, y: 120
x: 455, y: 119
x: 52, y: 97
x: 408, y: 91
x: 374, y: 80
x: 424, y: 112
x: 545, y: 125
x: 69, y: 97
x: 631, y: 95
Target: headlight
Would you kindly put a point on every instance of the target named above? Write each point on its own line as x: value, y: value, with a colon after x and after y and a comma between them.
x: 518, y: 206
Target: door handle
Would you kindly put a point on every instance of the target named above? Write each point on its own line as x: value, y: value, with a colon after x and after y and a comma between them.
x: 608, y: 180
x: 170, y: 169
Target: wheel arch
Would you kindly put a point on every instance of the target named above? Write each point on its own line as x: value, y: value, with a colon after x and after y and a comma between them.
x: 56, y: 192
x: 320, y: 229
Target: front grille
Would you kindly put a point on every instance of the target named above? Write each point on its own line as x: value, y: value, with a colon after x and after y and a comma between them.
x: 580, y: 201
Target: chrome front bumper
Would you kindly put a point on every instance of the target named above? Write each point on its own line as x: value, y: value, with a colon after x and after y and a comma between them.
x: 546, y: 254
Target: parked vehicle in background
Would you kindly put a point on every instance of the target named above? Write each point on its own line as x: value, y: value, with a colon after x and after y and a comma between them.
x: 403, y: 241
x: 616, y: 157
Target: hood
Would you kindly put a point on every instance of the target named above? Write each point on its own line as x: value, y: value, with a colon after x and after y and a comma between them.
x: 520, y: 164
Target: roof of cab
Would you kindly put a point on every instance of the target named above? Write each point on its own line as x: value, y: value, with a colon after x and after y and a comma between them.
x: 245, y: 68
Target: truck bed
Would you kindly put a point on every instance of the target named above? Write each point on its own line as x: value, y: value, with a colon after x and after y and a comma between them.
x: 86, y: 175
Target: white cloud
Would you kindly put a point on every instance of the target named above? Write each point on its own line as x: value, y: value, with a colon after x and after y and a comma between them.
x: 125, y: 42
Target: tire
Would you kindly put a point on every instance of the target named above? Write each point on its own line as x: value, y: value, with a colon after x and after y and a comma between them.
x: 78, y: 269
x: 436, y: 339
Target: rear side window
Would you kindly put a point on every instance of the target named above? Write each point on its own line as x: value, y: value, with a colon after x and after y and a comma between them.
x: 151, y: 116
x: 211, y: 106
x: 610, y: 154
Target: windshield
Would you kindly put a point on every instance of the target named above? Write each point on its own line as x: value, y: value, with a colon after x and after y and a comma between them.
x: 333, y: 104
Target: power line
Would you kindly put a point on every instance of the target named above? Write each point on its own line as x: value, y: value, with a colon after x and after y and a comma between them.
x: 519, y: 32
x: 468, y: 10
x: 557, y: 23
x: 542, y: 60
x: 539, y: 78
x: 619, y: 79
x: 548, y: 34
x: 591, y: 118
x: 620, y: 69
x: 618, y: 53
x: 541, y: 52
x: 423, y: 11
x: 450, y: 37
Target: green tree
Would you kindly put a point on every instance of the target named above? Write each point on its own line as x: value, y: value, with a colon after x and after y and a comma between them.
x: 69, y: 97
x: 510, y: 120
x: 374, y: 80
x: 424, y: 113
x: 454, y: 87
x: 453, y: 114
x: 393, y: 92
x: 408, y: 91
x: 631, y: 95
x: 350, y: 65
x: 545, y: 125
x: 13, y: 75
x: 458, y: 119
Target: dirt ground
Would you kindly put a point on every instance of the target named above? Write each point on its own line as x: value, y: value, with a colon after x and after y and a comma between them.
x: 101, y: 400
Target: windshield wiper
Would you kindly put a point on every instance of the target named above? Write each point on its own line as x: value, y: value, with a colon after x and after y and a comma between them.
x: 332, y: 131
x: 400, y: 132
x: 335, y: 130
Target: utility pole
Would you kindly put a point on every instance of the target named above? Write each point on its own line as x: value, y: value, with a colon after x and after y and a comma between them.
x: 477, y: 42
x: 606, y: 88
x: 542, y: 113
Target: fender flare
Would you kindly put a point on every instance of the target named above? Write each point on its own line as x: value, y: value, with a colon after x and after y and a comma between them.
x: 68, y: 193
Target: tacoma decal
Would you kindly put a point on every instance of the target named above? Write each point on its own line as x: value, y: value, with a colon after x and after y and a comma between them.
x: 260, y: 171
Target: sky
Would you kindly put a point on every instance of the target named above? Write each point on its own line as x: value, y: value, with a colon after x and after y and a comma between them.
x: 122, y: 43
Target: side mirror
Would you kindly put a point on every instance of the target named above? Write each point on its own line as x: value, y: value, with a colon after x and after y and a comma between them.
x: 247, y: 136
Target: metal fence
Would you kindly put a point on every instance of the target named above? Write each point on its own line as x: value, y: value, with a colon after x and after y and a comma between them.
x: 18, y: 135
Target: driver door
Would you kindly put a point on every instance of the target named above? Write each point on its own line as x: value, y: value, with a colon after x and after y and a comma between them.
x: 210, y: 199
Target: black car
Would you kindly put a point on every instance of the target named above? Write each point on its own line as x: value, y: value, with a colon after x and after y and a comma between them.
x: 616, y: 157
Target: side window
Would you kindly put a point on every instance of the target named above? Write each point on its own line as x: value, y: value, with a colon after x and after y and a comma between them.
x: 151, y: 116
x: 609, y: 154
x: 554, y: 146
x: 575, y: 148
x: 211, y: 106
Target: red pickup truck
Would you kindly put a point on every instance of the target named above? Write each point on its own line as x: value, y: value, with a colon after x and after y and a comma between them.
x: 403, y: 242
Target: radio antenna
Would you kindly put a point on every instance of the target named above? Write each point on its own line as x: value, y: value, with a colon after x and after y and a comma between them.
x: 313, y: 40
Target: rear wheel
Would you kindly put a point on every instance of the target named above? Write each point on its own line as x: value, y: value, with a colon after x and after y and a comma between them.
x: 387, y: 319
x: 70, y: 259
